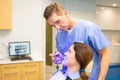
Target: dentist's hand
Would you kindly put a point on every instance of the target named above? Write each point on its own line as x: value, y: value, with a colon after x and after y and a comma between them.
x: 57, y: 58
x: 52, y: 55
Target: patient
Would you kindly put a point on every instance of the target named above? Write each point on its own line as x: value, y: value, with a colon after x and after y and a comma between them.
x: 76, y: 60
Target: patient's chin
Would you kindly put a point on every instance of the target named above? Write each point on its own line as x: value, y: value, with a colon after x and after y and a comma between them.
x: 65, y: 63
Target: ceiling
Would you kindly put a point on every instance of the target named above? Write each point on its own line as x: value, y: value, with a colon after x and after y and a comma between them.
x: 107, y: 2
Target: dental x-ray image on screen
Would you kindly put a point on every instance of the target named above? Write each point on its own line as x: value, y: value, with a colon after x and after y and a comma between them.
x: 19, y: 48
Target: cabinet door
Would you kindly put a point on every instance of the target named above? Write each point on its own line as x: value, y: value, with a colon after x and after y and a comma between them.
x: 41, y: 71
x: 30, y: 68
x: 114, y: 54
x: 0, y: 73
x: 11, y: 70
x: 31, y: 77
x: 30, y: 71
x: 5, y: 14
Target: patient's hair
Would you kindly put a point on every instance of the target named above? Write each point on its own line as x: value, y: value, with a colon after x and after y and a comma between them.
x: 83, y: 55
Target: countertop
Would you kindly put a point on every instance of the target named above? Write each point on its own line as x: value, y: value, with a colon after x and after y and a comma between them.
x: 8, y: 61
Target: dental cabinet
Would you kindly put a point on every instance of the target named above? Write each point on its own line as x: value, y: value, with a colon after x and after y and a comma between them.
x: 28, y: 70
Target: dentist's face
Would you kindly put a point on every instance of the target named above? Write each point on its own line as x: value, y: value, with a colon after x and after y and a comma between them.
x: 69, y: 59
x: 60, y: 22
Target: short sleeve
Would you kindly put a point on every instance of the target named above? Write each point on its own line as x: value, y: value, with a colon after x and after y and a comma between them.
x: 96, y: 37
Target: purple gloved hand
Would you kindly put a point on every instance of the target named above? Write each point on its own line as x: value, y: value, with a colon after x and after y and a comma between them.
x: 58, y: 58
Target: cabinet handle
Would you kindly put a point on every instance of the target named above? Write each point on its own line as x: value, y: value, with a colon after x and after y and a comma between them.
x: 30, y: 65
x: 10, y: 66
x: 30, y: 71
x: 11, y: 73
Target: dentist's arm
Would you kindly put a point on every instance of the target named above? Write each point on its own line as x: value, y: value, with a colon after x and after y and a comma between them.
x: 104, y: 63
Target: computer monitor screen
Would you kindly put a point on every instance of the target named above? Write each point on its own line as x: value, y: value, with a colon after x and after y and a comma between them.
x: 19, y: 48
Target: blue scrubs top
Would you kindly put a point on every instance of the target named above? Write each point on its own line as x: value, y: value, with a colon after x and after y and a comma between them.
x: 87, y: 33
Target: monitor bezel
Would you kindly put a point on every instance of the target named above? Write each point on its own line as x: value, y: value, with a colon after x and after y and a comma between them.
x: 20, y: 42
